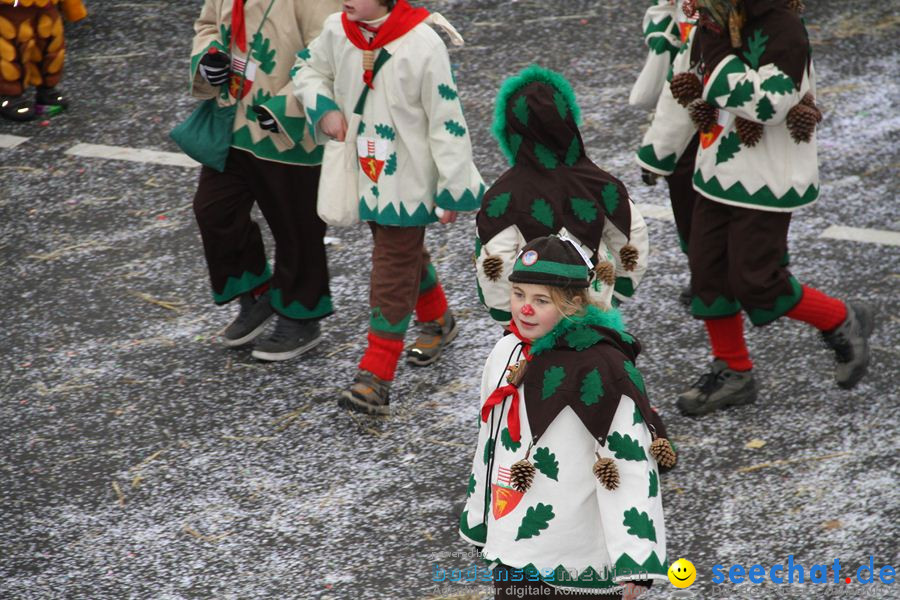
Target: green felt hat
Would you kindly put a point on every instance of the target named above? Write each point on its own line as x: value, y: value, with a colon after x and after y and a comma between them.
x: 551, y: 260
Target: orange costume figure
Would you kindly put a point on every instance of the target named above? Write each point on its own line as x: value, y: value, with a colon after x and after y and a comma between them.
x: 32, y: 51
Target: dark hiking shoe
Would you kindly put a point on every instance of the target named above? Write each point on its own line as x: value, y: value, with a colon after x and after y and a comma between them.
x: 434, y: 336
x: 50, y: 101
x: 717, y: 389
x: 685, y: 296
x: 250, y: 322
x: 368, y: 394
x: 290, y: 338
x: 16, y: 108
x: 850, y: 342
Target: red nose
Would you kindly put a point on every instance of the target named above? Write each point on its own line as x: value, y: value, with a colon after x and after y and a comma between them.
x: 528, y: 310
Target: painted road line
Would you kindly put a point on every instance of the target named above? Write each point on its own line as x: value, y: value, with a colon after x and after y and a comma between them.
x: 856, y: 234
x: 656, y: 211
x: 172, y: 159
x: 11, y: 141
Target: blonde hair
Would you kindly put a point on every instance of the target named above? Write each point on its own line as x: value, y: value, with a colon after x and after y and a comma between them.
x: 571, y: 301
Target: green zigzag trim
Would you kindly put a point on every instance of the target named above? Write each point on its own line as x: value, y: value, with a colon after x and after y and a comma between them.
x: 762, y: 197
x: 324, y: 104
x: 477, y: 533
x: 783, y: 305
x: 512, y: 85
x: 266, y: 149
x: 294, y: 127
x: 378, y: 322
x: 235, y: 286
x: 389, y: 216
x: 295, y: 310
x: 625, y: 565
x: 660, y: 27
x: 467, y: 201
x: 624, y: 286
x: 720, y: 86
x: 647, y: 155
x: 721, y: 307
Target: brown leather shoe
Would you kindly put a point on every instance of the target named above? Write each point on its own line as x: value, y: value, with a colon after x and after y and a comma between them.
x: 434, y: 337
x: 368, y: 394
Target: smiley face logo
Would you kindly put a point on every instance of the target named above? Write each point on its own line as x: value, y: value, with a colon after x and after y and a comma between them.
x: 682, y: 573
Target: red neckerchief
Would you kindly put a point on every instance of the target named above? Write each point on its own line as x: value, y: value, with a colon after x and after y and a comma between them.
x: 503, y: 392
x: 238, y: 25
x: 401, y: 20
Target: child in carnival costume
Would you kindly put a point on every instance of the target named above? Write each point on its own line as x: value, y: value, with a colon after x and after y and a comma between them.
x: 669, y: 146
x: 750, y: 90
x: 565, y: 478
x: 32, y: 52
x: 243, y: 53
x: 415, y: 146
x: 552, y: 187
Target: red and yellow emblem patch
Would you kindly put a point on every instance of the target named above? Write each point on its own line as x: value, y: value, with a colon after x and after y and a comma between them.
x: 504, y: 499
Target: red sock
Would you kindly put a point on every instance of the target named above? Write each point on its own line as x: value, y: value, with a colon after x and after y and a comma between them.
x: 727, y: 339
x: 431, y: 305
x: 381, y: 357
x: 819, y: 310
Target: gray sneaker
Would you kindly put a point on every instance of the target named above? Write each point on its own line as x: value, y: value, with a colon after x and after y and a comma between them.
x: 289, y: 339
x: 717, y: 389
x: 434, y: 337
x: 368, y: 394
x: 253, y: 317
x: 850, y: 342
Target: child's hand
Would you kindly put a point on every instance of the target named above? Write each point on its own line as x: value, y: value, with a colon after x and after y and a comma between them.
x: 632, y: 591
x: 334, y: 125
x: 447, y: 216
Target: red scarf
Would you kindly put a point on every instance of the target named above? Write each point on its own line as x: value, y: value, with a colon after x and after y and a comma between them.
x: 503, y: 392
x: 401, y: 20
x: 238, y: 25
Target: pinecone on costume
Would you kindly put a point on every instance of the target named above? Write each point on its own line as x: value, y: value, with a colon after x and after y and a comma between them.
x: 606, y: 471
x: 629, y: 255
x: 521, y: 475
x: 810, y: 101
x: 493, y: 267
x: 703, y: 114
x: 750, y: 132
x: 801, y: 122
x: 686, y: 88
x: 662, y: 451
x: 797, y: 6
x: 606, y: 272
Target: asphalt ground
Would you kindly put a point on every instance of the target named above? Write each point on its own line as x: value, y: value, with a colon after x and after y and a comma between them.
x: 141, y: 459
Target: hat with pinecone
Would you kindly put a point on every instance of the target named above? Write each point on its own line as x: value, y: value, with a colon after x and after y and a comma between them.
x: 552, y: 260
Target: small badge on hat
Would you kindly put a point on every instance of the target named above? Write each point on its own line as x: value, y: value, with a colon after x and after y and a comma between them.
x: 529, y: 258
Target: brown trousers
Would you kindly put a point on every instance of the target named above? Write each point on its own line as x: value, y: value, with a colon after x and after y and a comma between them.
x: 401, y: 272
x: 682, y: 193
x: 32, y: 47
x: 233, y: 244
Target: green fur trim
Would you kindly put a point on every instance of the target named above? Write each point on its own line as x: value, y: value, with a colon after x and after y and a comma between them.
x: 235, y: 286
x: 610, y: 319
x: 514, y: 84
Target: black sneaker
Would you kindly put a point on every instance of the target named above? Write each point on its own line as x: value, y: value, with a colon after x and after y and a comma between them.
x: 50, y: 101
x: 850, y: 342
x: 17, y: 108
x: 717, y: 389
x: 368, y: 394
x: 250, y: 322
x: 289, y: 339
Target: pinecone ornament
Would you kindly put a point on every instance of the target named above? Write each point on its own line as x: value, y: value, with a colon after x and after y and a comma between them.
x: 801, y: 123
x: 662, y: 451
x: 703, y: 114
x: 686, y: 88
x: 629, y: 255
x: 493, y: 267
x: 810, y: 101
x: 750, y: 132
x: 797, y: 6
x: 521, y: 475
x: 606, y: 272
x: 606, y: 471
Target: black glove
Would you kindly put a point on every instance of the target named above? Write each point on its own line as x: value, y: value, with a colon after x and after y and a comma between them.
x: 265, y: 119
x: 649, y: 177
x: 714, y: 46
x: 215, y: 68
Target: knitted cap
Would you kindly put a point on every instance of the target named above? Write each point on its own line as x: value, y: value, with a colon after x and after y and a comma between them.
x: 551, y: 260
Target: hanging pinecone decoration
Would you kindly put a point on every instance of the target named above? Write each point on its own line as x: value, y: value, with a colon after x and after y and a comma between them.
x: 629, y: 255
x: 750, y: 132
x: 703, y: 114
x: 810, y: 101
x: 606, y: 471
x: 493, y: 267
x: 516, y: 373
x: 797, y: 6
x: 801, y: 123
x: 662, y: 451
x: 686, y: 88
x: 606, y: 272
x: 521, y: 474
